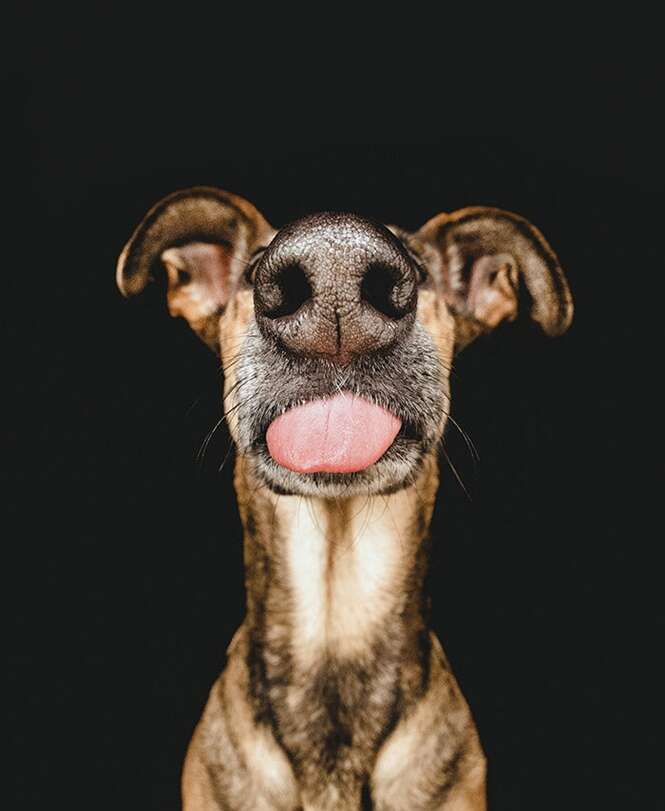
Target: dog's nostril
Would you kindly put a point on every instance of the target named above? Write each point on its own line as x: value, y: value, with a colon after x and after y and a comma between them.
x: 293, y: 290
x: 388, y: 289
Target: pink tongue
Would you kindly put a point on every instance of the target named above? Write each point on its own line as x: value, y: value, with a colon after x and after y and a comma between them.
x: 342, y: 434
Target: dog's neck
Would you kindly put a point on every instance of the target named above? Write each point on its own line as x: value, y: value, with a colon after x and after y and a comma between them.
x: 334, y: 574
x: 337, y: 644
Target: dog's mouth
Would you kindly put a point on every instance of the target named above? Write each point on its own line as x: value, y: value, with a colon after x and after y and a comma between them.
x: 307, y: 426
x: 341, y: 434
x: 337, y: 444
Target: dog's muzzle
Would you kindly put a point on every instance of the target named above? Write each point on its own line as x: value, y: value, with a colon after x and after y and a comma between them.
x: 338, y: 287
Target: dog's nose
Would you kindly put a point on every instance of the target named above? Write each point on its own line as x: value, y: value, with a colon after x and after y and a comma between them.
x: 335, y: 285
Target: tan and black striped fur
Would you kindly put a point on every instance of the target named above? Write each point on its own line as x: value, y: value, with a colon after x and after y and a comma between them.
x: 336, y: 695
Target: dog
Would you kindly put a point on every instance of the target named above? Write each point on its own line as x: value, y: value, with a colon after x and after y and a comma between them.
x: 336, y: 336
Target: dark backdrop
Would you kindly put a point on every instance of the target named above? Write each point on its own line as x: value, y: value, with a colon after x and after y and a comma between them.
x: 124, y: 571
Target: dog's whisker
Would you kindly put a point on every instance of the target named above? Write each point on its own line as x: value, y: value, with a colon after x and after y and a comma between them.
x: 200, y: 456
x: 455, y: 473
x: 467, y: 439
x: 226, y: 456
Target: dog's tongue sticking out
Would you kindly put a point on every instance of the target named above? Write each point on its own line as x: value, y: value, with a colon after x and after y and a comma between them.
x: 341, y: 434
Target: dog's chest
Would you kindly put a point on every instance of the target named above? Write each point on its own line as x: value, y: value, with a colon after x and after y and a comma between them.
x: 332, y: 718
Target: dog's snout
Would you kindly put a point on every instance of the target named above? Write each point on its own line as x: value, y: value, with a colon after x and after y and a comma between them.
x: 335, y: 285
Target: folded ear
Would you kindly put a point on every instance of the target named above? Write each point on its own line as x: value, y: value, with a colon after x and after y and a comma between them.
x: 483, y: 256
x: 203, y: 238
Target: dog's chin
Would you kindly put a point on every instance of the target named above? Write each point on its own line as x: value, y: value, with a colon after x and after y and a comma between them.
x: 396, y: 469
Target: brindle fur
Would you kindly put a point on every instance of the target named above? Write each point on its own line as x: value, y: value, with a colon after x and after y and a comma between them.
x: 335, y: 694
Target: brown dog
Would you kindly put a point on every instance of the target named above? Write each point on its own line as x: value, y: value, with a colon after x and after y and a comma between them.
x: 336, y: 336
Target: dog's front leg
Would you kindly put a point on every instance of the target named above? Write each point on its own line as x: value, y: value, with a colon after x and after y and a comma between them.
x: 232, y: 762
x: 432, y: 761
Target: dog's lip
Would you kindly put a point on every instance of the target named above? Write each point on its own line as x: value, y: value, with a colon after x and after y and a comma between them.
x: 409, y: 429
x: 408, y: 436
x: 408, y: 447
x: 340, y: 434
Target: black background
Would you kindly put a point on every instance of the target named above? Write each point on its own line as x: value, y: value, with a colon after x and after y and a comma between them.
x: 124, y: 570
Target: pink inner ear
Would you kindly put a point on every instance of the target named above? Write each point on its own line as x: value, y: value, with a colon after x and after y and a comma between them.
x: 491, y: 296
x: 208, y: 266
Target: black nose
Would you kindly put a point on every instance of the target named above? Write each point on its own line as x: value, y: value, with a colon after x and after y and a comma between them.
x: 336, y: 285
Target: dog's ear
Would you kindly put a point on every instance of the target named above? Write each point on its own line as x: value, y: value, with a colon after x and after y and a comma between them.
x: 203, y: 238
x: 483, y: 257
